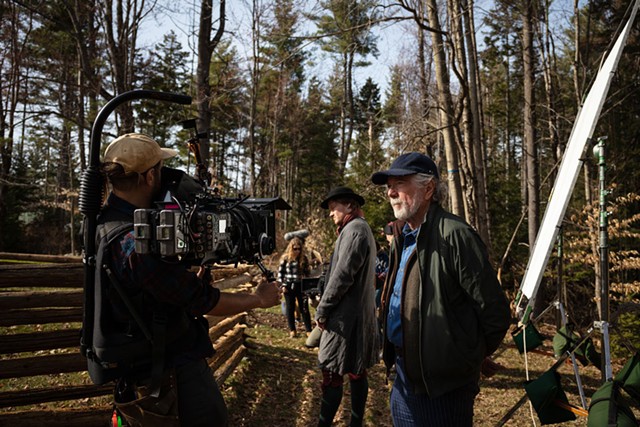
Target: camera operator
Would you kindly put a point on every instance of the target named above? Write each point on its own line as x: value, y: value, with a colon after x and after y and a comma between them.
x: 132, y: 164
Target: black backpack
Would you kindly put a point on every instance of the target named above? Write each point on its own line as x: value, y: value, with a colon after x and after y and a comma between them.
x: 135, y: 348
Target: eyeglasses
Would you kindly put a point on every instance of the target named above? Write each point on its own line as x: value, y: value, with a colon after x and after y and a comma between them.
x: 297, y: 249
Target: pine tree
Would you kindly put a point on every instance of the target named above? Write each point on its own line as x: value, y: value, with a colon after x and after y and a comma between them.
x: 164, y: 69
x: 368, y: 154
x: 279, y: 111
x: 346, y: 32
x: 227, y: 104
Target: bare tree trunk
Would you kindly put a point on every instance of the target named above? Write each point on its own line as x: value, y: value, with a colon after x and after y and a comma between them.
x: 255, y: 82
x: 81, y: 118
x: 346, y: 111
x: 479, y: 144
x: 446, y: 112
x: 8, y: 107
x: 343, y: 125
x: 530, y: 143
x: 121, y: 37
x: 276, y: 123
x: 529, y: 134
x: 424, y: 64
x: 578, y: 85
x: 350, y: 104
x: 509, y: 158
x: 577, y: 63
x: 63, y: 167
x: 464, y: 137
x: 206, y: 46
x: 424, y: 80
x: 549, y: 74
x: 82, y: 17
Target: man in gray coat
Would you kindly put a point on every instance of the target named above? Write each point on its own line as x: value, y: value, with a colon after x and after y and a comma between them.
x: 346, y: 312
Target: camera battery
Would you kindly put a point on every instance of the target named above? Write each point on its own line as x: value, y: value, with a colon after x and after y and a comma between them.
x: 142, y: 230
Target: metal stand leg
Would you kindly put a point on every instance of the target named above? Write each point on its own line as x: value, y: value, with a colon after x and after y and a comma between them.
x: 603, y: 327
x: 583, y: 399
x: 576, y: 372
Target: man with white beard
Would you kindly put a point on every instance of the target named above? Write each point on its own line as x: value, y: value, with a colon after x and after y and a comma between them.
x: 443, y: 310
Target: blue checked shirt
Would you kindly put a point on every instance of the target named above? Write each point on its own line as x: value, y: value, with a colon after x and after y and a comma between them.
x: 394, y: 319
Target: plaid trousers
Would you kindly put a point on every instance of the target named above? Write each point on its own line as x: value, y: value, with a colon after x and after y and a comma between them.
x: 453, y: 409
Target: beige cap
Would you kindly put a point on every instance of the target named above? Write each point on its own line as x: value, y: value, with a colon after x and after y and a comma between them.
x: 136, y: 152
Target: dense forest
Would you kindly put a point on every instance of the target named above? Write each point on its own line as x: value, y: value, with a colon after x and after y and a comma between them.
x: 489, y: 90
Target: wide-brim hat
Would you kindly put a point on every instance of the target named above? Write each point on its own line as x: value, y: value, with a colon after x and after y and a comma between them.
x: 136, y: 152
x: 341, y: 193
x: 407, y: 164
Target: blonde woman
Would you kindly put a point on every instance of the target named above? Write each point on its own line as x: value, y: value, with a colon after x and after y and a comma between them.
x: 294, y: 265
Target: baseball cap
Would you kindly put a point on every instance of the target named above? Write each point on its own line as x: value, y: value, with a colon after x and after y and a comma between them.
x: 136, y: 152
x: 407, y: 164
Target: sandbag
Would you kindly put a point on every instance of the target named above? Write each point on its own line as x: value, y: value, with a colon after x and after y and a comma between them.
x: 629, y: 377
x: 607, y: 410
x: 565, y: 339
x: 543, y: 393
x: 529, y: 334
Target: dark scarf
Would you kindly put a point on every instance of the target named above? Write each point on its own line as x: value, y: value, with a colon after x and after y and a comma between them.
x: 357, y: 213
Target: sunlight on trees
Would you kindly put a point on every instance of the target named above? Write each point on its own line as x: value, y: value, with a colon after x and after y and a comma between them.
x: 276, y: 91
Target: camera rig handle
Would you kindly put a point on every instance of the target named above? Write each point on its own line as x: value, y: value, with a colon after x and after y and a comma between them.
x: 268, y: 274
x: 193, y: 144
x: 201, y: 170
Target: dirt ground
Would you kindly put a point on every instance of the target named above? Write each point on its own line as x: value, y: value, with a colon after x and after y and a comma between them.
x: 278, y: 383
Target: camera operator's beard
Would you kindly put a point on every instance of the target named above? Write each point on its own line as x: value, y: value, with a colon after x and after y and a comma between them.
x: 156, y: 191
x: 402, y: 210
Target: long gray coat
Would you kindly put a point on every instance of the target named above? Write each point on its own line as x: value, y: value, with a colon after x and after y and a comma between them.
x: 350, y: 342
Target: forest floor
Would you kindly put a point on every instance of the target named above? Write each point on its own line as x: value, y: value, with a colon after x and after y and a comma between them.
x: 278, y: 383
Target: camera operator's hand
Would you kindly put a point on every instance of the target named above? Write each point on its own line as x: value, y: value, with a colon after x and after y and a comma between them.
x: 268, y: 293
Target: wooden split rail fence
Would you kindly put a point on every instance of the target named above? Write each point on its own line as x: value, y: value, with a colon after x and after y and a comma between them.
x: 40, y: 317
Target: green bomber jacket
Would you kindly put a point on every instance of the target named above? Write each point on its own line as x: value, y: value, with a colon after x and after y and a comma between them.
x: 454, y: 311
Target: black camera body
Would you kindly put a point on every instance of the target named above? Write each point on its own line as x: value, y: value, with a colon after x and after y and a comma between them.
x: 196, y: 225
x: 312, y: 286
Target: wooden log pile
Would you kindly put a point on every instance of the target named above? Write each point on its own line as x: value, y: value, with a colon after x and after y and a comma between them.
x: 44, y: 303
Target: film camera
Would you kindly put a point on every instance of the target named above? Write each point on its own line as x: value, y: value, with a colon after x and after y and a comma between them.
x: 198, y: 226
x: 314, y: 286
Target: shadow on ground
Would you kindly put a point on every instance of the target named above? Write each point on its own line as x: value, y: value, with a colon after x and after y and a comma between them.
x: 279, y: 384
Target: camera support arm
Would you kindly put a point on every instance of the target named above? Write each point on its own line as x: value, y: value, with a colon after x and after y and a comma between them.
x: 201, y: 170
x: 268, y: 274
x: 193, y: 144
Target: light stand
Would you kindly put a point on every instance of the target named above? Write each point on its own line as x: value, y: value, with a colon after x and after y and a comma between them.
x: 603, y: 324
